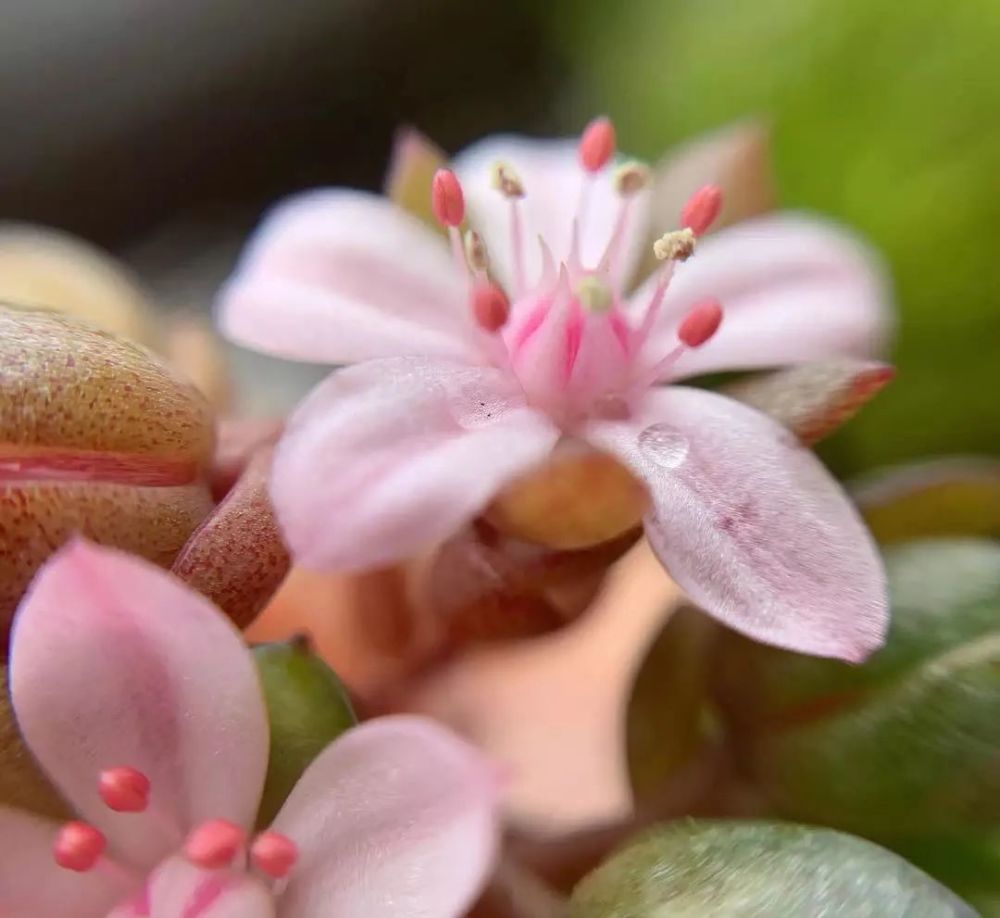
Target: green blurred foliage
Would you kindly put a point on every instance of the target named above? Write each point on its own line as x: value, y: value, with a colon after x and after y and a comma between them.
x: 884, y: 116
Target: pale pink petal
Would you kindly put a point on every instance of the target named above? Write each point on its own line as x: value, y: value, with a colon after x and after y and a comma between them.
x: 178, y: 889
x: 794, y: 290
x: 390, y: 456
x: 395, y: 819
x: 751, y: 525
x: 32, y: 885
x: 116, y: 663
x: 552, y: 180
x: 339, y: 276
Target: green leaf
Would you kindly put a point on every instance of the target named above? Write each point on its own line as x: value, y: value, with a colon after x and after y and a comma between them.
x: 308, y: 708
x: 666, y: 720
x: 755, y: 870
x: 904, y: 745
x: 953, y: 496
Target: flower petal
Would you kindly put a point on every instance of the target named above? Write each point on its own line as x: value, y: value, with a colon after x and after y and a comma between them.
x: 32, y: 885
x: 553, y: 180
x: 751, y: 525
x: 794, y: 290
x: 338, y: 276
x: 178, y: 889
x: 396, y: 818
x: 389, y: 456
x: 116, y: 663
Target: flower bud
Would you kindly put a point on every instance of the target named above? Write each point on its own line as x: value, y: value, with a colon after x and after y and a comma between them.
x: 307, y: 708
x: 578, y: 499
x: 97, y: 436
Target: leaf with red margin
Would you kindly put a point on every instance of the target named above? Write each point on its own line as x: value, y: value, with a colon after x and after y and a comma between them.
x: 814, y: 399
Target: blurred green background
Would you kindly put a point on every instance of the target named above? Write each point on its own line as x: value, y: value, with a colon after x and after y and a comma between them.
x: 885, y: 114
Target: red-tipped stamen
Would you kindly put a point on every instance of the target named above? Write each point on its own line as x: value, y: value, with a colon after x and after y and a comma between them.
x: 597, y: 144
x: 702, y: 209
x: 490, y: 307
x: 214, y: 844
x: 274, y: 854
x: 700, y: 324
x: 124, y: 790
x: 447, y: 198
x: 78, y: 846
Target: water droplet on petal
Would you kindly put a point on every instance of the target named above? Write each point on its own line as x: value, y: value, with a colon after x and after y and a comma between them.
x: 663, y: 445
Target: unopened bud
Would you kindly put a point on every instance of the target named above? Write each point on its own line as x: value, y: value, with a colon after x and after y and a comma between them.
x: 597, y: 144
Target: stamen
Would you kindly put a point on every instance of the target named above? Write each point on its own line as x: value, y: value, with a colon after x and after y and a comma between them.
x: 506, y: 181
x: 490, y: 307
x: 597, y: 145
x: 214, y: 844
x: 78, y: 846
x: 631, y: 178
x: 124, y: 790
x: 701, y: 323
x: 476, y: 255
x: 274, y: 854
x: 701, y: 209
x: 447, y: 198
x: 594, y: 295
x: 676, y: 246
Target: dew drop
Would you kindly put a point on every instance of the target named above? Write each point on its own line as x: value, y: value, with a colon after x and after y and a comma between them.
x: 663, y: 445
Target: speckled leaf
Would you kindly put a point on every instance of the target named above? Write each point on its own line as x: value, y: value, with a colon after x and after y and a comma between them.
x: 757, y: 870
x: 237, y: 557
x: 954, y: 496
x: 97, y: 436
x: 308, y: 708
x: 22, y: 783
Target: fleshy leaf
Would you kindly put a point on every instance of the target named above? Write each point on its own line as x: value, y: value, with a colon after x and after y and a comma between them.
x: 97, y: 436
x: 307, y: 707
x: 940, y: 497
x: 918, y: 723
x: 666, y: 718
x: 415, y: 159
x: 44, y: 268
x: 22, y: 783
x: 745, y: 868
x: 815, y: 399
x: 237, y: 557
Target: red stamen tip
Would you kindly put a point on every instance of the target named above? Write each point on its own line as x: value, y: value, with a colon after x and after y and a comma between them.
x: 447, y: 198
x: 274, y: 854
x: 214, y: 844
x: 490, y: 307
x: 124, y: 790
x: 597, y: 144
x: 702, y: 209
x: 701, y: 322
x: 78, y: 846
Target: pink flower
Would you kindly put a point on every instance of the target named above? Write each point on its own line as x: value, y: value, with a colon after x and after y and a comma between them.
x: 469, y: 368
x: 142, y: 705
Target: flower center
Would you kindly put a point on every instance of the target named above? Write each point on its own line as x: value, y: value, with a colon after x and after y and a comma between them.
x: 214, y: 845
x: 574, y: 347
